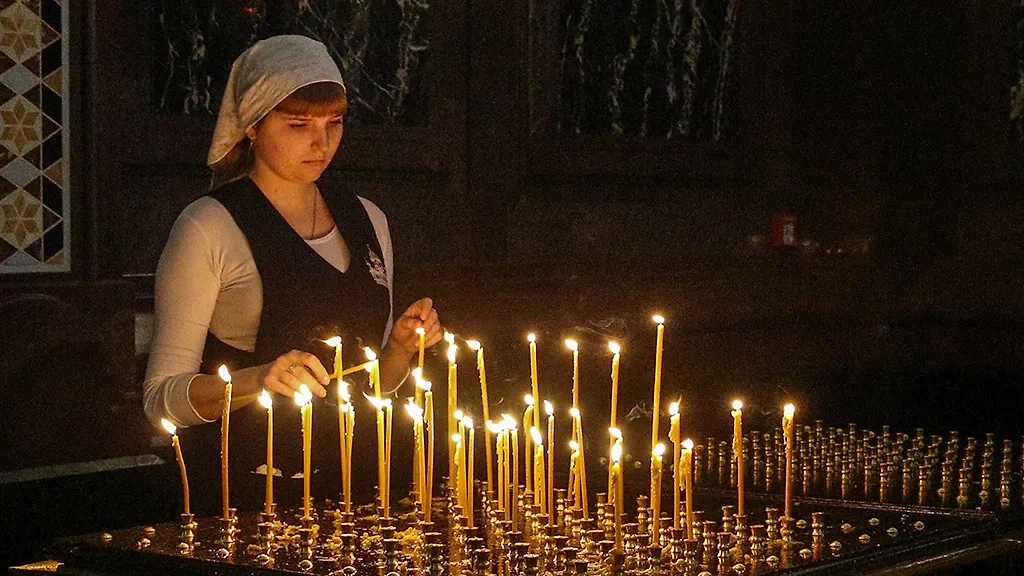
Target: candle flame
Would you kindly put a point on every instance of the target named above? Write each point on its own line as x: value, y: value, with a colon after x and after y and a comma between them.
x: 265, y: 400
x: 303, y: 396
x: 224, y: 374
x: 420, y: 331
x: 688, y: 444
x: 616, y: 433
x: 425, y: 385
x: 673, y: 409
x: 789, y: 410
x: 549, y: 409
x: 171, y: 428
x: 574, y: 445
x: 343, y: 392
x: 413, y: 410
x: 456, y: 437
x: 658, y: 319
x: 449, y: 337
x: 452, y: 349
x: 659, y: 450
x: 474, y: 345
x: 616, y: 452
x: 458, y: 414
x: 495, y: 427
x: 370, y: 354
x: 614, y: 347
x: 386, y: 403
x: 376, y: 402
x: 467, y: 422
x: 531, y: 337
x: 574, y: 412
x: 737, y: 405
x: 417, y: 374
x: 510, y: 422
x: 528, y: 399
x: 572, y: 345
x: 333, y: 342
x: 535, y: 434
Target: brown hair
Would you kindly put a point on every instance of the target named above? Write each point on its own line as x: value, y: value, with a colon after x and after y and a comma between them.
x: 319, y: 98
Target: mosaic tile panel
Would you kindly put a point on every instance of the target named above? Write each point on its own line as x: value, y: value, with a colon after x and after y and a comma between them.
x: 34, y: 176
x: 648, y: 68
x: 379, y: 47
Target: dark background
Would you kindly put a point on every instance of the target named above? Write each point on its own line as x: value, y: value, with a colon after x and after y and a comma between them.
x: 883, y: 126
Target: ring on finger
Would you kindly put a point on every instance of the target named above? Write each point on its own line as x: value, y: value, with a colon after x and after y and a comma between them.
x: 291, y: 369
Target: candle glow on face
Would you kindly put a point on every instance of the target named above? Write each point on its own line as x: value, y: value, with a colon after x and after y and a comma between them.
x: 474, y: 345
x: 333, y: 342
x: 224, y: 374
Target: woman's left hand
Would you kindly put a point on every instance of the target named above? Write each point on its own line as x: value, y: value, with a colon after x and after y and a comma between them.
x: 420, y: 314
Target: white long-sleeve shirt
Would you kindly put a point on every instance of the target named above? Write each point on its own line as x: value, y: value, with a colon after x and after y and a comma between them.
x: 207, y: 281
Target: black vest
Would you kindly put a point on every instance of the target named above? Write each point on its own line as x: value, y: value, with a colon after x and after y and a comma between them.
x: 305, y: 301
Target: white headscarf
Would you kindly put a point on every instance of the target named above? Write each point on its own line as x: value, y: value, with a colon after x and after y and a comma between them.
x: 264, y: 75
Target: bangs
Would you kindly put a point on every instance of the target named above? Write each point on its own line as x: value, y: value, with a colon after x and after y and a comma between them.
x: 318, y: 99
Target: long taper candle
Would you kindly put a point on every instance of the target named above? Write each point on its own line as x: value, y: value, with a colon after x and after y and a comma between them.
x: 514, y: 488
x: 575, y: 347
x: 172, y: 429
x: 538, y: 468
x: 453, y: 401
x: 550, y: 410
x: 388, y: 429
x: 225, y: 482
x: 737, y: 443
x: 344, y: 409
x: 456, y: 478
x: 470, y: 454
x: 617, y: 484
x: 428, y: 409
x: 485, y: 405
x: 304, y: 399
x: 658, y: 355
x: 527, y: 444
x: 267, y: 402
x: 656, y: 459
x: 535, y: 385
x: 581, y: 463
x: 416, y: 413
x: 613, y: 422
x: 422, y: 341
x: 674, y: 436
x: 788, y: 428
x: 688, y: 473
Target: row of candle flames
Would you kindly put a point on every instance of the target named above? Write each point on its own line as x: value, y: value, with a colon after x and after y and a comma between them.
x: 502, y: 444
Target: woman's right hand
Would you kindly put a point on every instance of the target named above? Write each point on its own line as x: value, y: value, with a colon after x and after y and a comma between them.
x: 289, y: 371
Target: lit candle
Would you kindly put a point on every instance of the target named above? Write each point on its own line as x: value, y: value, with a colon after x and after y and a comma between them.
x: 350, y: 423
x: 575, y: 347
x: 388, y: 429
x: 336, y: 344
x: 468, y: 422
x: 673, y: 435
x: 737, y: 443
x: 268, y: 403
x: 224, y: 422
x: 496, y: 430
x: 533, y: 377
x: 418, y: 474
x: 788, y: 428
x: 615, y: 349
x: 453, y: 399
x: 617, y: 483
x: 656, y: 458
x: 428, y: 409
x: 581, y: 462
x: 304, y: 399
x: 538, y: 468
x: 475, y: 345
x: 575, y: 490
x: 172, y: 429
x: 510, y: 423
x: 456, y: 479
x: 528, y: 446
x: 550, y: 409
x: 344, y: 408
x: 658, y: 355
x: 382, y: 489
x: 688, y: 471
x: 372, y: 366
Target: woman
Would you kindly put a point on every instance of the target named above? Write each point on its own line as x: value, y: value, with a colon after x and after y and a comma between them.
x: 256, y: 273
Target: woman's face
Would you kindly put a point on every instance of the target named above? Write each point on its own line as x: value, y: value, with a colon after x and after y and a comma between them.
x: 295, y: 148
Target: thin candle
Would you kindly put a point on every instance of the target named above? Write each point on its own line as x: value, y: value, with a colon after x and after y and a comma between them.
x: 574, y: 489
x: 788, y: 428
x: 533, y: 376
x: 538, y: 467
x: 469, y: 468
x: 485, y: 405
x: 350, y: 422
x: 304, y: 399
x: 378, y: 404
x: 581, y: 462
x: 225, y: 482
x: 575, y: 347
x: 528, y: 446
x: 737, y: 440
x: 550, y: 410
x: 456, y: 479
x: 656, y: 458
x: 423, y: 340
x: 344, y: 407
x: 428, y: 409
x: 453, y: 400
x: 416, y: 413
x: 514, y: 488
x: 267, y: 402
x: 618, y: 481
x: 658, y: 356
x: 388, y: 429
x: 615, y: 349
x: 172, y: 429
x: 677, y: 468
x: 688, y: 471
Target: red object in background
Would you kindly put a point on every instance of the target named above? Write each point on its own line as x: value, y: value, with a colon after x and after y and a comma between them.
x: 784, y: 230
